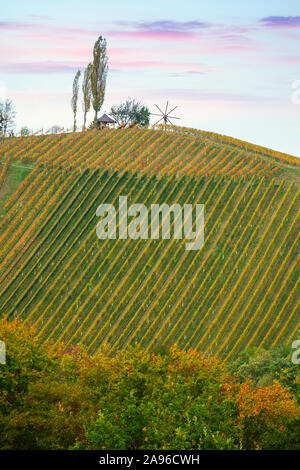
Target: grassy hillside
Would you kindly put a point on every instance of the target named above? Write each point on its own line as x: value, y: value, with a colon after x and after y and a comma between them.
x: 178, y: 152
x: 238, y: 291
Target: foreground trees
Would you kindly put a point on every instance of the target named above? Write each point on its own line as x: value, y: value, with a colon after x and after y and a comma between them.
x: 64, y: 399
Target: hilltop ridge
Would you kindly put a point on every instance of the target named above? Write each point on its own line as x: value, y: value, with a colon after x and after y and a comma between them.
x: 178, y: 151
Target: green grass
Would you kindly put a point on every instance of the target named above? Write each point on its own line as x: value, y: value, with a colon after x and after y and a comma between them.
x: 16, y: 173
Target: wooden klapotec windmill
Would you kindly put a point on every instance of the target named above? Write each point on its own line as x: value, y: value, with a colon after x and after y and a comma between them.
x: 165, y: 115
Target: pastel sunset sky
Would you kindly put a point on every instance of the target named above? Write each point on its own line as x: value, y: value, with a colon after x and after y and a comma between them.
x: 231, y: 67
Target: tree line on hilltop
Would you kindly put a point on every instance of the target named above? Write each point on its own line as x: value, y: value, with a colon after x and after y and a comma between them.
x: 93, y: 92
x: 93, y: 87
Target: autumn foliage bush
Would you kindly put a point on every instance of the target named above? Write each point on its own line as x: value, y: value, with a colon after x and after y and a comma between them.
x: 58, y: 398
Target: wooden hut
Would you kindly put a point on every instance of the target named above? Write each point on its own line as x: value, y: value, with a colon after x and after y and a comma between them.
x: 105, y: 121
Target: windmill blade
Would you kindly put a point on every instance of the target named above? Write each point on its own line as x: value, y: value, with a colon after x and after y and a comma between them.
x: 158, y: 121
x: 172, y: 109
x: 170, y: 122
x: 160, y: 109
x: 165, y: 116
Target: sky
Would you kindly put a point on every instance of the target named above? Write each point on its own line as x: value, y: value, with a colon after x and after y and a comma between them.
x: 231, y: 67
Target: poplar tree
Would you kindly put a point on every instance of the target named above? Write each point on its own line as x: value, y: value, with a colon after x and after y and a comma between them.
x: 87, y: 92
x: 99, y: 74
x: 74, y: 99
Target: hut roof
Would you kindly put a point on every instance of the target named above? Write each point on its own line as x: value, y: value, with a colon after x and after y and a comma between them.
x: 105, y: 119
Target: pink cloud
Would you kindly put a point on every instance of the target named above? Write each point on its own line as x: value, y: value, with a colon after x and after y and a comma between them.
x: 13, y: 25
x: 166, y: 25
x: 41, y: 67
x: 188, y: 67
x: 218, y: 47
x: 156, y: 30
x: 46, y: 67
x: 281, y: 21
x: 15, y: 52
x: 158, y: 35
x: 19, y: 26
x: 162, y: 29
x: 285, y: 60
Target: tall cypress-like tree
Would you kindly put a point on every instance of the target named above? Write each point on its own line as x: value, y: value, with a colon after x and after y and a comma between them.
x: 87, y: 92
x: 74, y: 99
x: 99, y: 74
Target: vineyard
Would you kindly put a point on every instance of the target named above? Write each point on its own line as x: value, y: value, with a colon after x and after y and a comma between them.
x: 240, y: 290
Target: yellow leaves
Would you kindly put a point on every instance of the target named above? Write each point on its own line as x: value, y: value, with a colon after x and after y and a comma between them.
x: 274, y: 401
x: 4, y: 170
x: 60, y: 407
x: 257, y: 445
